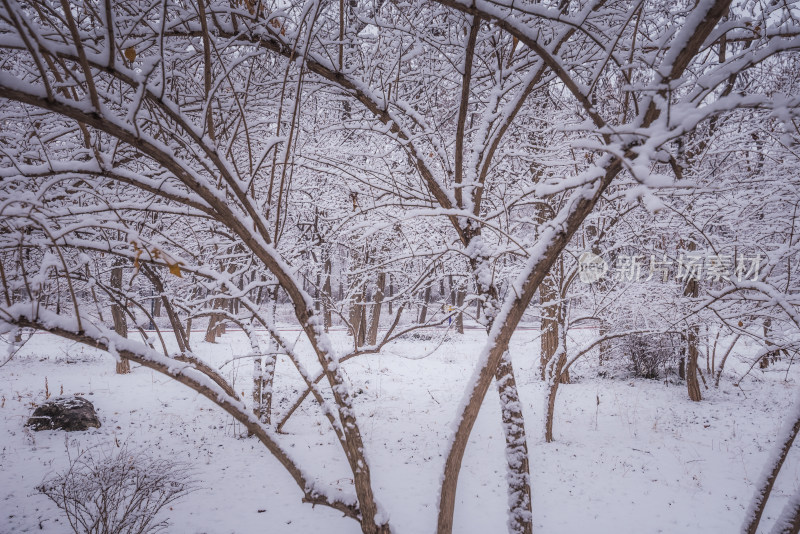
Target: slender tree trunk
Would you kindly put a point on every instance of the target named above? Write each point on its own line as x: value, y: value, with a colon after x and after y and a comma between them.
x: 555, y: 378
x: 258, y: 387
x: 423, y: 313
x: 264, y: 368
x: 692, y: 383
x: 391, y: 294
x: 452, y: 296
x: 724, y: 359
x: 362, y: 315
x: 764, y: 490
x: 327, y: 296
x: 771, y: 356
x: 372, y: 335
x: 603, y: 347
x: 460, y: 296
x: 692, y: 350
x: 357, y: 319
x: 317, y: 293
x: 123, y: 366
x: 181, y: 336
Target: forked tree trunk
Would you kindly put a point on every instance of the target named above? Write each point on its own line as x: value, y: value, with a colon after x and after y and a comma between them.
x: 556, y: 375
x: 357, y: 319
x: 212, y: 331
x: 118, y: 314
x: 372, y: 335
x: 551, y: 327
x: 181, y: 335
x: 216, y: 323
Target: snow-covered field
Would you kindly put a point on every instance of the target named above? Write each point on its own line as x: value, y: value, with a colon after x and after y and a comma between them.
x: 645, y: 459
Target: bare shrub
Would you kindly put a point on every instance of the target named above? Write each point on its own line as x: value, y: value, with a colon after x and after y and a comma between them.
x: 650, y: 355
x: 117, y: 491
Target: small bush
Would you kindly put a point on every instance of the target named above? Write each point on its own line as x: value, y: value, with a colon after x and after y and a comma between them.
x: 117, y: 491
x: 650, y: 355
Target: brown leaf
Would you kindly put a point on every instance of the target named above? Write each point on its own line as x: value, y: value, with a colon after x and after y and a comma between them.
x: 176, y: 270
x: 130, y: 54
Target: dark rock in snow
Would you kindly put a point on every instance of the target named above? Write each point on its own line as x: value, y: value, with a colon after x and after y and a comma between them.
x: 64, y: 413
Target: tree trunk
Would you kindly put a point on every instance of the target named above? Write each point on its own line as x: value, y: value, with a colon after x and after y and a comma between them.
x: 692, y: 341
x: 724, y: 359
x: 692, y: 383
x: 557, y: 373
x: 357, y: 319
x: 513, y: 424
x: 118, y: 314
x: 460, y: 296
x: 554, y: 381
x: 181, y: 335
x: 423, y: 313
x: 372, y: 335
x: 317, y: 292
x: 362, y: 323
x: 518, y: 472
x: 771, y: 356
x: 264, y: 369
x: 327, y: 297
x: 212, y: 331
x: 789, y: 520
x: 391, y: 293
x: 603, y: 347
x: 552, y: 323
x: 759, y: 501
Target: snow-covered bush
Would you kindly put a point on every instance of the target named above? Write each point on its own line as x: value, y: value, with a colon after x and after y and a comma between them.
x: 117, y: 491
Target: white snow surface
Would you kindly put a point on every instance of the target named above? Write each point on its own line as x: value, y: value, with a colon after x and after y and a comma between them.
x: 645, y: 460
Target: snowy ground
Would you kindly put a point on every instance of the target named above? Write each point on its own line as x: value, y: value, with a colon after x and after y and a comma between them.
x: 644, y: 460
